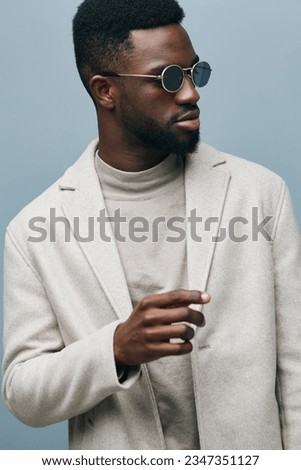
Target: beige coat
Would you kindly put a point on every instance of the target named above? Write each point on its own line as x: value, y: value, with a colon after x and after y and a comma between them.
x: 63, y: 300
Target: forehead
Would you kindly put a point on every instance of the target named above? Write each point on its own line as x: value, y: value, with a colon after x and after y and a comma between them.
x: 161, y: 46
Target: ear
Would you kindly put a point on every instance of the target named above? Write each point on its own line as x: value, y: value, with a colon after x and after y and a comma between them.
x: 102, y: 91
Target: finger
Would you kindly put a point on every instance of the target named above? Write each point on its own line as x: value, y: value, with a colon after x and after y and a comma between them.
x: 196, y: 318
x: 175, y: 298
x: 172, y: 349
x: 158, y: 317
x: 166, y: 333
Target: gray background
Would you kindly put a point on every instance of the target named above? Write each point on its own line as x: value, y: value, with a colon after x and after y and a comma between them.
x: 251, y: 107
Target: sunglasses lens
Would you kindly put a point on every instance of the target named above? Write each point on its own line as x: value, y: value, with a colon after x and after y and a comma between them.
x: 173, y: 78
x: 201, y: 74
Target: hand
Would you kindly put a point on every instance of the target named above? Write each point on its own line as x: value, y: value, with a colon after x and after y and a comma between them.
x: 145, y: 336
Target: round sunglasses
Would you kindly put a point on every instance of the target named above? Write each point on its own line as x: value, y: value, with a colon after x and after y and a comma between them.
x: 173, y: 76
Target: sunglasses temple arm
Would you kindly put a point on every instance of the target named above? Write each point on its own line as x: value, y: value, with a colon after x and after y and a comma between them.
x: 109, y: 74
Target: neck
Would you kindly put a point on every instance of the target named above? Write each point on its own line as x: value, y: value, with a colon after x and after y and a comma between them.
x: 118, y: 152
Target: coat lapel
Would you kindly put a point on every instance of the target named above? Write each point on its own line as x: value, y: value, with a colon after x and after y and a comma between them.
x: 206, y: 186
x: 83, y: 199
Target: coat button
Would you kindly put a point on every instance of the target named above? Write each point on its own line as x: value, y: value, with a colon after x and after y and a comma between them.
x: 204, y: 346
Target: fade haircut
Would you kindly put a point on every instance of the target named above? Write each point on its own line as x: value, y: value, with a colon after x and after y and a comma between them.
x: 101, y: 31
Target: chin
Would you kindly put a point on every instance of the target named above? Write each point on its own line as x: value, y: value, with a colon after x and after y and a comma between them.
x: 187, y: 146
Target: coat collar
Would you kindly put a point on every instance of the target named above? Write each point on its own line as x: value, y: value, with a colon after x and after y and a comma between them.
x: 206, y: 183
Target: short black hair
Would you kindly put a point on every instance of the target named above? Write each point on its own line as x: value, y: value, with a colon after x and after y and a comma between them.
x: 101, y: 30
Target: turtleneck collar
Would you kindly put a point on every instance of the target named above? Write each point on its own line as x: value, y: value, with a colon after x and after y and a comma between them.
x: 132, y: 184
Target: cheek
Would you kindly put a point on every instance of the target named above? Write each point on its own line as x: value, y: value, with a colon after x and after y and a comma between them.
x: 154, y: 97
x: 161, y: 109
x: 149, y: 101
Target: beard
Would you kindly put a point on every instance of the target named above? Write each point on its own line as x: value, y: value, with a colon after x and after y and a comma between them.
x: 157, y: 135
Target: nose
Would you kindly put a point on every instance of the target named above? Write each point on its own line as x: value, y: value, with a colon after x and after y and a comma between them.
x: 188, y: 94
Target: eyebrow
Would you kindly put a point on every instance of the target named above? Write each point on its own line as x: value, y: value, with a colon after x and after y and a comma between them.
x: 159, y: 69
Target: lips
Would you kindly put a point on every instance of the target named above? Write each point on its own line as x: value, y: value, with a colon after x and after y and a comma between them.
x: 191, y: 116
x: 190, y: 121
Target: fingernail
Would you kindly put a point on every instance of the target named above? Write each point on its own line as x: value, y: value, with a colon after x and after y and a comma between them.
x: 205, y: 296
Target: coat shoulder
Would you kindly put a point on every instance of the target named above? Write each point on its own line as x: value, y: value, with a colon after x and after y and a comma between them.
x: 239, y: 167
x: 51, y: 198
x: 246, y: 176
x: 253, y: 172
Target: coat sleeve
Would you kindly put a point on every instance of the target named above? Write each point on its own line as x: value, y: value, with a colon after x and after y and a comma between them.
x: 45, y: 381
x: 287, y: 259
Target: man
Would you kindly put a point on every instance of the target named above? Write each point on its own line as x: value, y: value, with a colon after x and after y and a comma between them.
x: 117, y: 332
